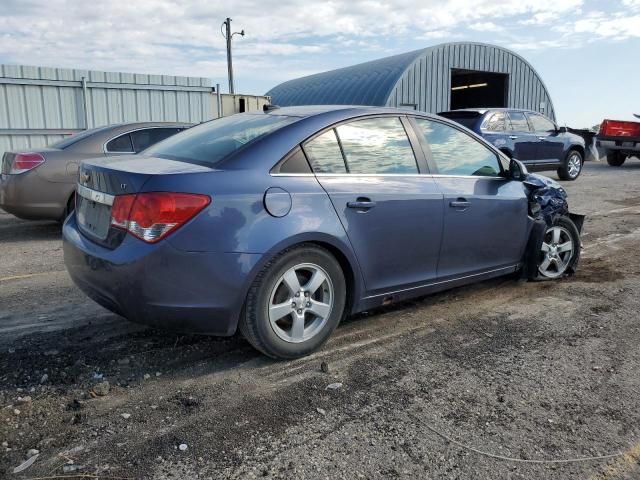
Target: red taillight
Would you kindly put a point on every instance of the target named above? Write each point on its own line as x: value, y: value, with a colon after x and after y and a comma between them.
x: 23, y: 162
x: 152, y: 216
x: 619, y: 128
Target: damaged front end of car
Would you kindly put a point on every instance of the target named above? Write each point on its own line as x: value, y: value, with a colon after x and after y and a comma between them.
x: 548, y: 207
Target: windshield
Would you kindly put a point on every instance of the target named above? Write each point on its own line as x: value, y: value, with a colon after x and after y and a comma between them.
x: 76, y: 137
x: 467, y: 119
x: 209, y: 143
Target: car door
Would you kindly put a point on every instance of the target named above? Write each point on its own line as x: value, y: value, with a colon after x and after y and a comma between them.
x: 523, y: 142
x: 392, y: 215
x: 550, y: 143
x: 485, y: 214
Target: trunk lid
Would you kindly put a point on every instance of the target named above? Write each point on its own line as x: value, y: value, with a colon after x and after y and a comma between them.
x: 101, y: 180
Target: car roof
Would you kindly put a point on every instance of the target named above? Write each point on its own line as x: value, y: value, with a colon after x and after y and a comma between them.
x: 348, y: 110
x: 482, y: 111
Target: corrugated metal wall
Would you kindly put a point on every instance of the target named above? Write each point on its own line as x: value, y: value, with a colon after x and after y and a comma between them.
x: 426, y: 83
x: 40, y: 105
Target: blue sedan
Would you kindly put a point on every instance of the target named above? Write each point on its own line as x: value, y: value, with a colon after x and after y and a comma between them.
x: 282, y: 222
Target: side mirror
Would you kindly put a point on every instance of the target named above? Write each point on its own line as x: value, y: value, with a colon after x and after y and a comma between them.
x: 517, y: 171
x: 562, y: 130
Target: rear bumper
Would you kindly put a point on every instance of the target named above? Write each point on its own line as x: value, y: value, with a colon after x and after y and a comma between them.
x: 28, y: 196
x: 159, y: 285
x: 626, y: 144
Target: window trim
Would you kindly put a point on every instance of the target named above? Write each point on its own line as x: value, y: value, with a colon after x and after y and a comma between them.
x: 429, y: 154
x: 129, y: 132
x: 426, y: 166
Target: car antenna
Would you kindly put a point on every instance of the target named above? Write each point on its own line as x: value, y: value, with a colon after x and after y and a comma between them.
x: 267, y: 108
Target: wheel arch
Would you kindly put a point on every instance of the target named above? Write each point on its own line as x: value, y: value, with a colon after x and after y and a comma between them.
x: 338, y: 248
x: 578, y: 148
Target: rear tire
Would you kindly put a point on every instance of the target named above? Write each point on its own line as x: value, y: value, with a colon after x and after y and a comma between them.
x: 572, y: 166
x: 295, y: 303
x: 616, y: 159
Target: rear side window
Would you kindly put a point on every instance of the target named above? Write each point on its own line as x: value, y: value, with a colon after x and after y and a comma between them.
x: 377, y: 146
x: 456, y: 153
x: 518, y: 122
x: 211, y: 142
x: 541, y: 124
x: 143, y: 139
x: 495, y: 122
x: 121, y: 144
x: 324, y: 153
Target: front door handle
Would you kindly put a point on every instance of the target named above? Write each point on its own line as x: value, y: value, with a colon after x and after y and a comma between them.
x: 362, y: 204
x: 460, y: 203
x: 513, y: 137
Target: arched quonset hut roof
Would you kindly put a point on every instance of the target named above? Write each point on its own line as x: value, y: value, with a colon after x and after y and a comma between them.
x: 421, y: 79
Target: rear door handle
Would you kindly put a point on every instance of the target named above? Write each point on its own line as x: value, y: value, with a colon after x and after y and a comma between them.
x: 513, y: 137
x: 542, y: 138
x: 362, y: 204
x: 460, y: 203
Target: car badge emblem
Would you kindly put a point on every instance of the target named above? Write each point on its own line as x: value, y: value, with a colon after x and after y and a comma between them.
x: 123, y: 186
x: 85, y: 177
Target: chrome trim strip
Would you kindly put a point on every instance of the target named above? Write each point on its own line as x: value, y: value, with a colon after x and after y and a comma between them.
x: 352, y: 175
x: 94, y: 195
x: 509, y: 268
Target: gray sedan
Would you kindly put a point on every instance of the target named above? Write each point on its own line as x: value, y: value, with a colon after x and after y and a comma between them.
x: 40, y: 184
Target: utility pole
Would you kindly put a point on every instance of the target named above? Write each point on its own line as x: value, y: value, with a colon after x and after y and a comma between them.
x: 228, y: 36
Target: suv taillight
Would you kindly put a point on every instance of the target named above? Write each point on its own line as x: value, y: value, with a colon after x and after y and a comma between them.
x: 152, y: 216
x: 619, y: 128
x: 23, y: 162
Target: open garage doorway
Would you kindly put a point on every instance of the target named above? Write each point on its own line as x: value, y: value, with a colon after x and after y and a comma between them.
x: 474, y: 89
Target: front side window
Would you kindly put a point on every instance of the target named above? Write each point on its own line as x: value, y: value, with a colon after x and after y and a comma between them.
x: 211, y: 142
x: 518, y: 122
x: 121, y: 144
x: 495, y: 123
x: 377, y: 146
x: 541, y: 124
x: 324, y: 153
x: 456, y: 153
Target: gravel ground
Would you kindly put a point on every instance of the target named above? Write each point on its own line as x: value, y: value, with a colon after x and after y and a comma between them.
x: 477, y: 382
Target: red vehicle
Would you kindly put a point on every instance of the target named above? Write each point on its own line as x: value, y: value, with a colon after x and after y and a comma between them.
x: 620, y: 140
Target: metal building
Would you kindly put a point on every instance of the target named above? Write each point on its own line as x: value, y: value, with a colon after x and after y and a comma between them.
x: 40, y: 105
x: 434, y: 79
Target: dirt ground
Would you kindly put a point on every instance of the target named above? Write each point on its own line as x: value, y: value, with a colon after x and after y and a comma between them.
x: 503, y: 379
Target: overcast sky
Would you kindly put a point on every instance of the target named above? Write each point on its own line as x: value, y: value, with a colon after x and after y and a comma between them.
x: 586, y: 51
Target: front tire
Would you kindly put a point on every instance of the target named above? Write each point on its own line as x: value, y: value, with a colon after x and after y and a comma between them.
x: 616, y: 159
x: 572, y: 166
x: 295, y: 303
x: 560, y: 250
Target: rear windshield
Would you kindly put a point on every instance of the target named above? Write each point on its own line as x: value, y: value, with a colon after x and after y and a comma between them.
x: 76, y: 137
x: 468, y: 119
x: 209, y: 143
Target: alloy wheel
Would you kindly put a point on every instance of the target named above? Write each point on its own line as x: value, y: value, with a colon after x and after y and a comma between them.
x: 556, y: 253
x: 574, y: 165
x: 301, y: 302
